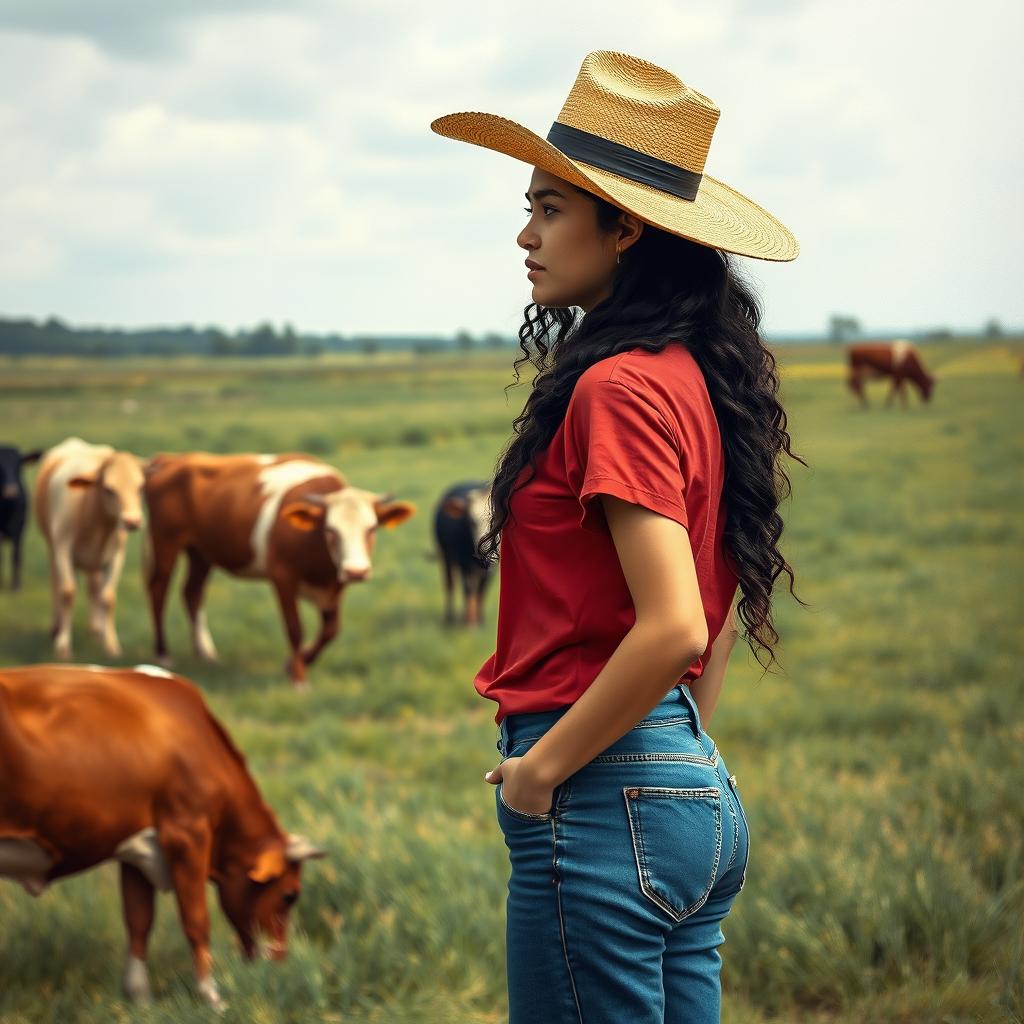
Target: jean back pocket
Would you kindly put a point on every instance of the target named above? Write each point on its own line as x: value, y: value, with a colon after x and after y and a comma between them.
x: 677, y: 843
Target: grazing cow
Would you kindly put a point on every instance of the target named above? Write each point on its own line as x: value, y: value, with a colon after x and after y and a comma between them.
x: 130, y: 765
x: 898, y: 360
x: 289, y: 519
x: 13, y: 506
x: 460, y: 521
x: 88, y: 498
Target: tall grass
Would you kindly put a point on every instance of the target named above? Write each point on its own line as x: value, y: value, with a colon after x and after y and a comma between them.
x: 882, y: 771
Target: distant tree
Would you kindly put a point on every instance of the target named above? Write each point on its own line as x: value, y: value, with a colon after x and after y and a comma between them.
x: 993, y: 329
x: 843, y: 328
x: 370, y: 346
x: 493, y: 340
x: 463, y: 339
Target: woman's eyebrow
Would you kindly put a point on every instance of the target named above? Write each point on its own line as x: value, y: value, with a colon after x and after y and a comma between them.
x: 543, y: 192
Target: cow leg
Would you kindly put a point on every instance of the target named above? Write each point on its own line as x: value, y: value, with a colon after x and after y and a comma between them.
x: 106, y: 599
x: 94, y: 584
x: 16, y: 563
x: 856, y: 385
x: 469, y: 599
x: 160, y: 566
x: 187, y: 850
x: 139, y: 910
x: 330, y: 625
x: 63, y: 600
x: 448, y: 583
x: 481, y: 589
x: 287, y: 598
x: 192, y: 594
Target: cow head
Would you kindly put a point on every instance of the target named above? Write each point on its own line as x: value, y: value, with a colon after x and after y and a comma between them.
x: 475, y: 507
x: 258, y: 892
x: 11, y: 461
x: 118, y: 484
x: 349, y: 519
x: 927, y: 387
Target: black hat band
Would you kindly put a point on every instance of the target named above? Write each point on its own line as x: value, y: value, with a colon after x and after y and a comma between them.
x: 628, y: 163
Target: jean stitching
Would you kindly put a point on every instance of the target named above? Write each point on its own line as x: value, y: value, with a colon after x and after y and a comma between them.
x: 561, y: 919
x: 516, y: 813
x: 641, y: 858
x: 626, y: 758
x: 746, y: 859
x: 735, y: 831
x: 660, y: 723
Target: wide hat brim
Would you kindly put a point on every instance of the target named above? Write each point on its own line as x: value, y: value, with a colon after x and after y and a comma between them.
x: 719, y: 216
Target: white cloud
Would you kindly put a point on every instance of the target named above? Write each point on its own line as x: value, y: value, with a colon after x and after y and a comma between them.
x: 230, y: 162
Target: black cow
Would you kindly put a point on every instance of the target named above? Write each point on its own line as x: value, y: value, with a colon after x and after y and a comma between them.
x: 13, y: 506
x: 461, y: 519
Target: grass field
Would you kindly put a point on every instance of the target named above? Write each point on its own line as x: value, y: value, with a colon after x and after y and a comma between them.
x: 882, y: 771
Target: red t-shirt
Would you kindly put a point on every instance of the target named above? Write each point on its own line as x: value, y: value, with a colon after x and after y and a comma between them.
x: 639, y: 426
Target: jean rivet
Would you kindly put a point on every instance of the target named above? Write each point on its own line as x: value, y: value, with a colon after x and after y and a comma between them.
x: 632, y: 793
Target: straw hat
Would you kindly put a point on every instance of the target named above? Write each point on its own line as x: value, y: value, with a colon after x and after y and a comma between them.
x: 636, y: 135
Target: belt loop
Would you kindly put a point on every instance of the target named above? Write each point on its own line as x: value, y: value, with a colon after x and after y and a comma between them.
x: 691, y: 703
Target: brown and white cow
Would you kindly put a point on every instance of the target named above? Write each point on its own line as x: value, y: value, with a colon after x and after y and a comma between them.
x: 289, y: 519
x: 129, y: 765
x: 898, y: 360
x: 88, y: 497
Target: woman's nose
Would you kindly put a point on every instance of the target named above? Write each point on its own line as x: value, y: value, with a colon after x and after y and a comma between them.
x: 526, y: 239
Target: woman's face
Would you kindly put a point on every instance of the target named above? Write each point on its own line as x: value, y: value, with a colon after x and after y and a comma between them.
x: 576, y: 260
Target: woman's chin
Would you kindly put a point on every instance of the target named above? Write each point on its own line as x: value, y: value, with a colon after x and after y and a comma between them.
x: 548, y: 298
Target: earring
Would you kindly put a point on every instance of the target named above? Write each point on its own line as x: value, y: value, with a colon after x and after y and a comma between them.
x: 618, y: 256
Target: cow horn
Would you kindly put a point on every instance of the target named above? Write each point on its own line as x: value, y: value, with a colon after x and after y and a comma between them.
x: 299, y: 848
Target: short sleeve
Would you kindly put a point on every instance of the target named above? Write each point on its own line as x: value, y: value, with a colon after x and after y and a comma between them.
x: 617, y: 442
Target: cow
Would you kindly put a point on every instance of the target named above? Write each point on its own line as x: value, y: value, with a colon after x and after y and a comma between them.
x: 13, y: 506
x: 129, y: 765
x: 289, y: 519
x: 461, y: 519
x: 88, y: 498
x: 898, y: 360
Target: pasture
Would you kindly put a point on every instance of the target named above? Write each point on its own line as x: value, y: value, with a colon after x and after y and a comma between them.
x: 882, y: 770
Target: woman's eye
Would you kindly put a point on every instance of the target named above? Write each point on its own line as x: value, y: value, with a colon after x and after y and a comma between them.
x: 546, y: 209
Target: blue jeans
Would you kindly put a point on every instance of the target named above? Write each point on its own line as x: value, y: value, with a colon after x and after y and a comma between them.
x: 617, y: 893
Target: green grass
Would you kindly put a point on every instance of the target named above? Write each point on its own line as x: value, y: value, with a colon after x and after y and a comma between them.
x: 882, y: 771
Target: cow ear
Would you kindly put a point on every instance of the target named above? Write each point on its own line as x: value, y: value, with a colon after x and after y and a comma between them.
x: 455, y: 507
x: 81, y: 482
x: 302, y: 515
x: 270, y: 864
x: 31, y: 457
x: 390, y: 514
x: 300, y: 848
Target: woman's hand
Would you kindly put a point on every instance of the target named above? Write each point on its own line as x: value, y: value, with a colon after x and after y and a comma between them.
x: 518, y: 789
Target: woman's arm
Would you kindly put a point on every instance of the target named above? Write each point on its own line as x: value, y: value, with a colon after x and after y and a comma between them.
x: 707, y: 689
x: 669, y: 633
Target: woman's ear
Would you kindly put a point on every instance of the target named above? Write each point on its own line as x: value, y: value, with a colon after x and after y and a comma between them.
x: 630, y: 229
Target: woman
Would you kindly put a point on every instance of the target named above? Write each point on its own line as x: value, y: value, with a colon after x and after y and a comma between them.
x: 638, y: 493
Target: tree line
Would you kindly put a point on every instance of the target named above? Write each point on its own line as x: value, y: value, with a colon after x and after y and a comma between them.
x: 52, y: 337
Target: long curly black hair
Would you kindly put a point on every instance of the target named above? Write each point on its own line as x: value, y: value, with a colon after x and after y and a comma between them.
x: 668, y: 290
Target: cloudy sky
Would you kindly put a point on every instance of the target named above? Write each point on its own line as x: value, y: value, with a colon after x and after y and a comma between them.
x: 237, y: 161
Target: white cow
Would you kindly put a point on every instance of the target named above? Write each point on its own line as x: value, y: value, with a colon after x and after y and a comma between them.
x: 87, y: 498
